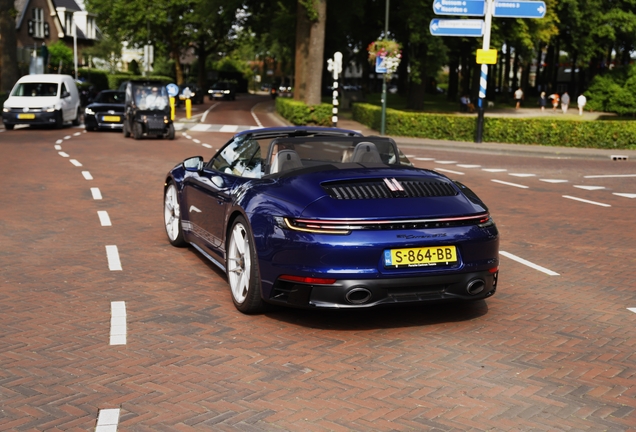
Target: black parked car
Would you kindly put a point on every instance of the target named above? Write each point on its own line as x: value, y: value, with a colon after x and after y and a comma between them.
x: 222, y: 90
x: 106, y: 111
x: 147, y: 110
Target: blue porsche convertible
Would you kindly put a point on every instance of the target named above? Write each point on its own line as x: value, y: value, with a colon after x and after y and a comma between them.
x: 328, y: 218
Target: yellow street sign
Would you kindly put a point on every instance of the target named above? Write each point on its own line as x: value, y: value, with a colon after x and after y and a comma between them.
x: 486, y: 56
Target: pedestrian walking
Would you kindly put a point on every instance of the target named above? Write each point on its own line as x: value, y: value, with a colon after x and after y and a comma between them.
x: 518, y: 97
x: 555, y: 101
x: 581, y: 101
x: 543, y: 101
x: 565, y: 102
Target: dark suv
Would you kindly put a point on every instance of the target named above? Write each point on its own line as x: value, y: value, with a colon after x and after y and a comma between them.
x: 222, y: 90
x: 147, y: 110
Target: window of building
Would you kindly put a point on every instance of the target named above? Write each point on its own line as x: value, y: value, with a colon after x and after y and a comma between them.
x: 68, y: 23
x: 38, y: 22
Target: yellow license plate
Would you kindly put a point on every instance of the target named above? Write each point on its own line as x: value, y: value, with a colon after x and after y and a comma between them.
x: 111, y: 118
x: 420, y: 257
x: 26, y: 116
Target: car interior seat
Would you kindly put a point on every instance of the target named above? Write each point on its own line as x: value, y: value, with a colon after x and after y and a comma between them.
x: 286, y: 160
x: 366, y: 152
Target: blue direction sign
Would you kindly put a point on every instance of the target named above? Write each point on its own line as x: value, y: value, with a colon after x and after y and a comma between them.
x: 519, y: 9
x: 460, y: 27
x: 460, y: 7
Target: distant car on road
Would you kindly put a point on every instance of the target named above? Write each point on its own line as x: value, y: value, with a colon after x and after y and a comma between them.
x: 196, y: 94
x: 106, y: 111
x: 42, y: 99
x: 327, y: 218
x: 222, y: 90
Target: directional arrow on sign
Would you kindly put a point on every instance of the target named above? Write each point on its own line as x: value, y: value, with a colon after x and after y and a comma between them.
x: 519, y: 9
x: 460, y: 7
x: 464, y: 27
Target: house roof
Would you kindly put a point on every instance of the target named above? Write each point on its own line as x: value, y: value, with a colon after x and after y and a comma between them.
x: 70, y: 5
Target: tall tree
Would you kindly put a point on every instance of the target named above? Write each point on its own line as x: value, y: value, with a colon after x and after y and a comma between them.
x: 310, y: 46
x: 8, y: 46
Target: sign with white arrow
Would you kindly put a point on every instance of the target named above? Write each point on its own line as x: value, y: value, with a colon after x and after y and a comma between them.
x: 460, y: 7
x: 519, y: 9
x: 462, y: 28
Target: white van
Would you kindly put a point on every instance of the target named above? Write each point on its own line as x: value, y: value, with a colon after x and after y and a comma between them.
x: 44, y: 99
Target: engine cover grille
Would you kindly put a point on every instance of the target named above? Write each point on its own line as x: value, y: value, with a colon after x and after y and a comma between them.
x: 389, y: 188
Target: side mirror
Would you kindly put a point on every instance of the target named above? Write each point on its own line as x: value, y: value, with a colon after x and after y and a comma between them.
x: 193, y: 164
x: 65, y: 95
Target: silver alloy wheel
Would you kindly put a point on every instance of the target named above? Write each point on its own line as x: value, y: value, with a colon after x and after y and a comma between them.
x: 239, y: 263
x: 171, y: 213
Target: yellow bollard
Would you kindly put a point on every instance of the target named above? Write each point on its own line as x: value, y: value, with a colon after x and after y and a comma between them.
x: 172, y: 108
x: 188, y: 108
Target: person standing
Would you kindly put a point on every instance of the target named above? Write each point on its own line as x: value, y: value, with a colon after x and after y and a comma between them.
x: 555, y: 101
x: 565, y: 102
x: 543, y: 101
x: 518, y: 97
x: 581, y: 101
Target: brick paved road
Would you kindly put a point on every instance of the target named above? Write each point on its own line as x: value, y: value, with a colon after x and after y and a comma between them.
x: 545, y: 353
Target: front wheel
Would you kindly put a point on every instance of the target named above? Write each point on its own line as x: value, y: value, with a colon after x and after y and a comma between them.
x: 242, y: 269
x: 172, y: 216
x: 125, y: 129
x: 137, y: 131
x: 170, y: 132
x: 59, y: 120
x: 76, y: 122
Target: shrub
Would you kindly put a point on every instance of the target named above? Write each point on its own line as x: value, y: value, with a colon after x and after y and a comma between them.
x: 301, y: 114
x: 97, y: 78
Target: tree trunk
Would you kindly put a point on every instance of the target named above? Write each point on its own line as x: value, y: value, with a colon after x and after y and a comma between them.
x: 506, y: 80
x: 316, y: 54
x: 557, y: 66
x: 515, y: 71
x: 453, y: 77
x: 303, y: 26
x: 538, y: 84
x: 572, y: 88
x: 8, y: 47
x: 202, y: 55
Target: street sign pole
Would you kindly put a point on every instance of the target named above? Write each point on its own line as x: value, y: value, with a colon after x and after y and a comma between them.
x: 483, y: 81
x: 386, y: 36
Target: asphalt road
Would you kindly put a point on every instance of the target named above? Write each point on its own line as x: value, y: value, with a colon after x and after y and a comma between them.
x: 105, y: 326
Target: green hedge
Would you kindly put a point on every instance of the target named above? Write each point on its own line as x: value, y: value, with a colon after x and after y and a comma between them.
x: 300, y: 114
x: 96, y: 78
x: 549, y: 132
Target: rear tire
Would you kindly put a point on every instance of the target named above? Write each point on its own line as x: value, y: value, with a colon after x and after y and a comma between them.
x: 242, y: 269
x: 76, y: 122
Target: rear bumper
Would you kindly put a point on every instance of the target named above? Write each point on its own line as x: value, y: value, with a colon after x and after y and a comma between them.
x: 364, y: 293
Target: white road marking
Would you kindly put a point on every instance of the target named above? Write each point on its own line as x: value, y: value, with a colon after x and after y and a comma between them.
x: 205, y: 114
x: 468, y: 166
x: 494, y: 170
x: 258, y: 122
x: 553, y: 180
x: 187, y: 136
x: 590, y: 188
x: 632, y: 309
x: 63, y: 154
x: 510, y: 184
x: 625, y: 195
x: 58, y: 147
x: 118, y: 323
x: 75, y: 162
x: 521, y: 175
x: 77, y: 134
x: 67, y: 137
x: 194, y: 209
x: 425, y: 159
x: 104, y: 219
x: 114, y: 264
x: 229, y: 128
x: 446, y: 162
x: 586, y: 201
x: 409, y: 156
x: 528, y: 263
x: 107, y: 420
x: 59, y: 141
x: 196, y: 141
x: 449, y: 171
x: 207, y: 146
x: 97, y: 195
x: 87, y: 175
x: 610, y: 176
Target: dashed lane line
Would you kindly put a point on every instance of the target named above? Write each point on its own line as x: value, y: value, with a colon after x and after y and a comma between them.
x: 75, y: 162
x: 107, y: 420
x: 97, y: 194
x: 114, y: 264
x: 258, y: 122
x: 625, y: 195
x: 449, y: 171
x: 510, y: 184
x: 528, y: 263
x: 207, y: 146
x: 632, y: 309
x: 586, y: 201
x: 610, y: 176
x: 118, y: 323
x: 57, y: 147
x: 87, y: 175
x: 590, y: 188
x: 104, y: 219
x: 63, y: 154
x: 494, y: 170
x: 553, y: 180
x: 469, y: 166
x: 445, y: 162
x: 521, y: 175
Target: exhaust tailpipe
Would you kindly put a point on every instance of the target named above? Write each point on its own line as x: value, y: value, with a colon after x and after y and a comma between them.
x: 358, y: 295
x: 475, y: 286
